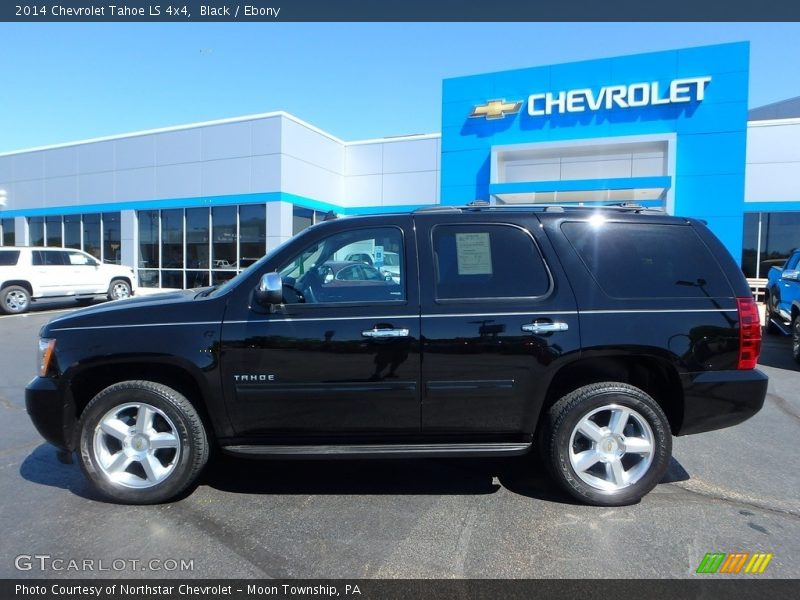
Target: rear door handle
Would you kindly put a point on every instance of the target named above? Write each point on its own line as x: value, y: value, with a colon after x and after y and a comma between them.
x: 537, y: 327
x: 385, y: 333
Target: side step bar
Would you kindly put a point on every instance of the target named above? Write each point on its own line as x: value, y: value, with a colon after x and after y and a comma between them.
x: 784, y: 328
x: 379, y: 450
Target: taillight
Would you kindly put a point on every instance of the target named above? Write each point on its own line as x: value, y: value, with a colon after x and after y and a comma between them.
x: 749, y: 333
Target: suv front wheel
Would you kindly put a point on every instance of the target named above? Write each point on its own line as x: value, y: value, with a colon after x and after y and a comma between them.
x: 119, y: 289
x: 607, y: 444
x: 142, y: 442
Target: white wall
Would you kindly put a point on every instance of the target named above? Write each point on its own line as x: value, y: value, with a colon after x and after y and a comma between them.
x: 392, y: 172
x: 772, y: 172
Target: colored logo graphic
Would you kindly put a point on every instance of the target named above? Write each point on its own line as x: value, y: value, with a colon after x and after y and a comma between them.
x: 496, y: 109
x: 737, y: 562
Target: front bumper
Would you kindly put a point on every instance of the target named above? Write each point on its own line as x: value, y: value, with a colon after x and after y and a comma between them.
x: 52, y: 412
x: 717, y: 399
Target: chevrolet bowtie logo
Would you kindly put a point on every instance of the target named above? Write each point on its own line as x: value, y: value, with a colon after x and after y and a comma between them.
x: 496, y: 109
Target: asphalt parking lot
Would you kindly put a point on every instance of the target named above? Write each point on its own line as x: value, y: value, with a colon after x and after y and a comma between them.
x: 734, y: 490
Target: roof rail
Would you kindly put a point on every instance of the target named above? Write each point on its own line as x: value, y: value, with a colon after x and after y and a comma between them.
x: 438, y: 208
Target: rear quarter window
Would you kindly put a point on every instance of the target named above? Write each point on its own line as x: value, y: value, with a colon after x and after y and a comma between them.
x: 9, y: 258
x: 632, y: 260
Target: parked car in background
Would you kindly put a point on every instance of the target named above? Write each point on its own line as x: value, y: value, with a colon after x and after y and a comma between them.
x: 390, y: 264
x: 28, y: 274
x: 782, y: 301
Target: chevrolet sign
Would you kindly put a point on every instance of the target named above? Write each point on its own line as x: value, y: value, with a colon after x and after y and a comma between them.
x: 635, y: 95
x: 622, y: 96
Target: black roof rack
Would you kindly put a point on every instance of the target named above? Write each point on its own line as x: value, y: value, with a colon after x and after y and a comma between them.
x: 481, y: 205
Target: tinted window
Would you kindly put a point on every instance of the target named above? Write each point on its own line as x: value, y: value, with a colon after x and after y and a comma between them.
x: 631, y: 260
x: 48, y: 258
x: 9, y: 258
x: 326, y: 271
x: 487, y: 261
x: 794, y: 259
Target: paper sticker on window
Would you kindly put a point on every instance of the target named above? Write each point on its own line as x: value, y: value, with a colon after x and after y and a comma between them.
x: 474, y: 253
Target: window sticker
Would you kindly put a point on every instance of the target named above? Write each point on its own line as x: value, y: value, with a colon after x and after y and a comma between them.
x: 474, y: 254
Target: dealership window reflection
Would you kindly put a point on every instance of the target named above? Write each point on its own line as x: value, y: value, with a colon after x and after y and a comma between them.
x: 769, y: 238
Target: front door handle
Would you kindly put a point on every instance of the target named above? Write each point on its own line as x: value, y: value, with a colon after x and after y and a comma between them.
x: 542, y: 327
x: 385, y: 333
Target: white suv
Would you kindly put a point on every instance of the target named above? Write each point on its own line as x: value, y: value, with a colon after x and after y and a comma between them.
x: 32, y: 273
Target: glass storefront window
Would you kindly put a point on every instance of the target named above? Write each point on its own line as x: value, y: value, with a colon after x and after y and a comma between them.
x: 112, y: 243
x: 252, y: 234
x: 172, y: 279
x: 9, y: 236
x: 172, y: 240
x: 36, y: 231
x: 53, y: 231
x: 149, y: 278
x: 72, y: 231
x: 197, y: 238
x: 91, y: 234
x: 769, y: 238
x: 302, y: 218
x: 148, y: 239
x: 223, y: 220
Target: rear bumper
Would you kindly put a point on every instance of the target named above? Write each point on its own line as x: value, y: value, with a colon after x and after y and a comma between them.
x: 717, y: 399
x: 52, y: 413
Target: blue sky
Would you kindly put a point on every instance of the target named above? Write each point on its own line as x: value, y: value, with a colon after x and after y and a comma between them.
x: 66, y: 82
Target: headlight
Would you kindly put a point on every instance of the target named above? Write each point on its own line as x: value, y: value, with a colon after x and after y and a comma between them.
x: 45, y: 355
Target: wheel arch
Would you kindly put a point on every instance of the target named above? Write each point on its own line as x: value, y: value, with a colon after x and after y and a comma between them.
x: 20, y: 282
x: 652, y: 374
x: 88, y: 382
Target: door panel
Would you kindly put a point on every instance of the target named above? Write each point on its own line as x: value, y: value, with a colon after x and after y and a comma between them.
x: 487, y: 349
x: 298, y: 373
x: 338, y: 357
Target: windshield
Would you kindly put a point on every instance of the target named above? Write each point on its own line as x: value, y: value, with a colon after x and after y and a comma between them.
x: 390, y: 259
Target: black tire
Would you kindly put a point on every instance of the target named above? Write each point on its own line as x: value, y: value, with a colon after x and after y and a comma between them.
x: 119, y: 289
x: 186, y: 463
x: 769, y: 326
x: 15, y: 300
x: 562, y: 420
x: 796, y: 338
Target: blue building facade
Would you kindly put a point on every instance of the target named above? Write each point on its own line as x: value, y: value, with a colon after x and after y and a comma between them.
x: 665, y: 128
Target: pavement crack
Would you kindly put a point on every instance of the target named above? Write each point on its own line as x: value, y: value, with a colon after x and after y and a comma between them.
x: 4, y: 403
x: 707, y: 490
x: 782, y: 405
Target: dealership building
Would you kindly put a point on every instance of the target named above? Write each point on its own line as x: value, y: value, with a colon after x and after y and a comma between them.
x: 190, y: 205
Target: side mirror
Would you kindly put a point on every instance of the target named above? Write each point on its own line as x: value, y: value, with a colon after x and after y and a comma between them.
x: 270, y: 289
x: 791, y: 275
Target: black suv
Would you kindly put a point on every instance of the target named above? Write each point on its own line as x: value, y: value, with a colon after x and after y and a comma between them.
x: 593, y: 335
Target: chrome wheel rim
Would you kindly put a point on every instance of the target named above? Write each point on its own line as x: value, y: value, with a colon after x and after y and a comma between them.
x: 16, y: 301
x: 136, y: 445
x: 119, y: 291
x: 796, y: 338
x: 611, y: 448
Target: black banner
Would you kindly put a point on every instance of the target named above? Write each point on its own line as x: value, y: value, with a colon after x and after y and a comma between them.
x: 407, y: 589
x: 181, y: 11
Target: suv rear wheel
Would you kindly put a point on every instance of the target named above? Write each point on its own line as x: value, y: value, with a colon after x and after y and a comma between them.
x: 607, y: 444
x: 15, y: 299
x: 142, y: 442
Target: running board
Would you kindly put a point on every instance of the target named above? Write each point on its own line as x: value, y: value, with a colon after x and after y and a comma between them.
x: 380, y: 450
x: 785, y: 329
